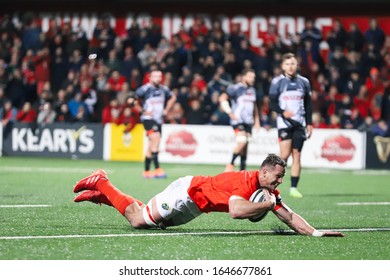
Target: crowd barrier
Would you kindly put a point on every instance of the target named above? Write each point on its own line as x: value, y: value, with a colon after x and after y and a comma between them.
x: 196, y: 144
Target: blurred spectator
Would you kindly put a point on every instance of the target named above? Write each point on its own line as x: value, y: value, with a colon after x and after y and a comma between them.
x: 115, y: 83
x: 104, y: 35
x: 217, y: 83
x: 63, y: 114
x: 355, y: 121
x: 332, y: 101
x: 354, y: 83
x: 71, y: 79
x: 176, y: 115
x: 381, y: 128
x: 199, y: 83
x: 385, y: 106
x: 42, y: 68
x: 130, y: 117
x: 112, y: 112
x: 58, y: 68
x: 81, y: 115
x: 135, y: 80
x: 216, y: 34
x: 375, y: 35
x: 337, y: 36
x: 123, y: 94
x: 88, y: 96
x: 199, y: 27
x: 219, y: 117
x: 209, y: 68
x: 311, y: 37
x: 47, y: 115
x: 344, y: 110
x: 267, y: 117
x: 366, y: 125
x: 318, y: 121
x: 318, y: 102
x: 334, y: 122
x: 355, y: 38
x: 375, y: 90
x: 162, y: 49
x: 198, y: 62
x: 195, y: 113
x: 370, y: 58
x: 75, y: 103
x: 31, y: 32
x: 339, y: 61
x: 129, y: 62
x: 186, y: 78
x: 236, y: 36
x: 15, y: 89
x: 353, y: 63
x: 112, y: 62
x: 7, y: 116
x: 27, y: 114
x: 146, y: 54
x: 76, y: 60
x: 361, y: 102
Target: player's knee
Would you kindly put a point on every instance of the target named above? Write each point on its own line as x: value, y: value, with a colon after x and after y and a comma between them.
x: 147, y: 218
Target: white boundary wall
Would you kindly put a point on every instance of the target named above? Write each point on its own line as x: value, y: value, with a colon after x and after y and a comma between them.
x: 328, y: 148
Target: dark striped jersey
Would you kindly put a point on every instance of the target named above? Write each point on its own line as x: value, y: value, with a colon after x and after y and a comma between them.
x: 243, y: 100
x: 291, y: 94
x: 154, y: 99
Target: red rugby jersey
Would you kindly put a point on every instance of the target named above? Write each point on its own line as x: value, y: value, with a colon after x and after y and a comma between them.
x: 212, y: 193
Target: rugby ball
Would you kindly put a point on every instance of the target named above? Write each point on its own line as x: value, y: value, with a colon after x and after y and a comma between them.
x: 258, y: 196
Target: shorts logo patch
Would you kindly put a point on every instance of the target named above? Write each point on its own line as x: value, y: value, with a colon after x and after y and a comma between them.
x: 283, y: 134
x: 165, y: 206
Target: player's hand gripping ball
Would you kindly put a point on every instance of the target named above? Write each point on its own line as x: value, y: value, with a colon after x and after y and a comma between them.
x: 258, y: 196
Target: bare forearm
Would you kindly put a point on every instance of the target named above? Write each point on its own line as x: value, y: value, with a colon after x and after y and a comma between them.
x: 299, y: 225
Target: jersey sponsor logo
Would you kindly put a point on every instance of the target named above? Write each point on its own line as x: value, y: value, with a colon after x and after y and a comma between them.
x: 181, y: 143
x: 292, y: 97
x: 165, y: 206
x: 338, y: 148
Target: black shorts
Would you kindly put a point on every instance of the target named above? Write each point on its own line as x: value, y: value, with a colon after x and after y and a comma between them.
x: 296, y: 134
x: 151, y: 126
x: 243, y: 127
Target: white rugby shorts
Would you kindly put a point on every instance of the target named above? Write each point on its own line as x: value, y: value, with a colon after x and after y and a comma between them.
x: 174, y: 203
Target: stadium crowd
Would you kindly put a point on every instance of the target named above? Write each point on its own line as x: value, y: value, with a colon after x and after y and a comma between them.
x: 62, y: 76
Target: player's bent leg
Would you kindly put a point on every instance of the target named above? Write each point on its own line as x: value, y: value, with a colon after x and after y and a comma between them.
x: 285, y: 149
x: 296, y: 163
x: 154, y: 141
x: 295, y: 173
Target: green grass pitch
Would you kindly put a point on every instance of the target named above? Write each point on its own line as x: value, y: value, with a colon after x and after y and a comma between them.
x: 65, y: 230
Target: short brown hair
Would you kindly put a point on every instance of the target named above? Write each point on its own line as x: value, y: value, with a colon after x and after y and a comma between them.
x: 287, y: 56
x: 272, y: 160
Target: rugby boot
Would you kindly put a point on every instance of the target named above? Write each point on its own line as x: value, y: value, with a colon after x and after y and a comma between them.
x: 160, y: 173
x: 89, y: 182
x: 94, y: 197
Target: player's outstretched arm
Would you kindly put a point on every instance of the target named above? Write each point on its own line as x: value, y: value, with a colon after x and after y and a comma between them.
x: 300, y: 225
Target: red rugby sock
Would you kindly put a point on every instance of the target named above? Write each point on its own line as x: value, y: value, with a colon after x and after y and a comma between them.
x: 118, y: 199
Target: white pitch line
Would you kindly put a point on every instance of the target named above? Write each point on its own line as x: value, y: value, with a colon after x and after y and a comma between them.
x: 363, y: 203
x: 179, y: 234
x: 24, y: 206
